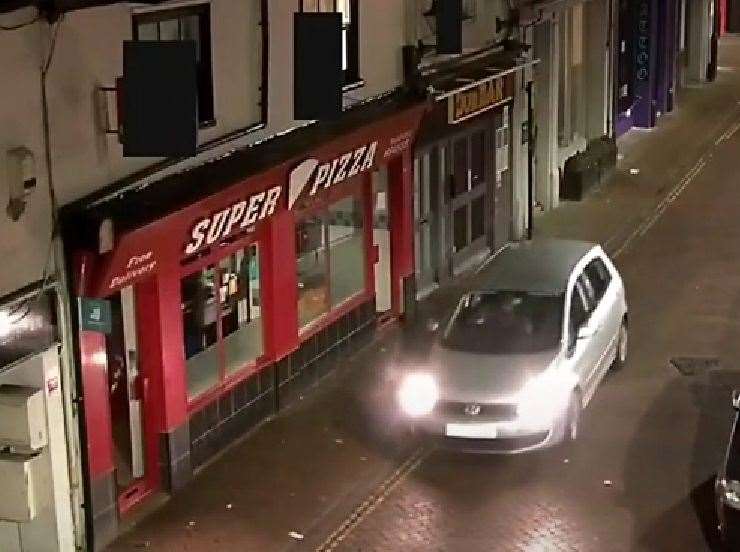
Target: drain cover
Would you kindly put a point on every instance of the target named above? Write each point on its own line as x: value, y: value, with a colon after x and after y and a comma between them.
x: 692, y: 366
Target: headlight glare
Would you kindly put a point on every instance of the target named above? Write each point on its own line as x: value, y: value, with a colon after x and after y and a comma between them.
x: 418, y: 394
x: 730, y: 493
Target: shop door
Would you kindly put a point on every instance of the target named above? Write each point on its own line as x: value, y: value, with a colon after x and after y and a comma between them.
x: 733, y: 16
x: 468, y: 205
x: 503, y: 189
x: 128, y: 393
x: 382, y: 241
x: 426, y: 187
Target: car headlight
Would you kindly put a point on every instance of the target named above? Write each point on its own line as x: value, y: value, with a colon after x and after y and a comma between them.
x: 730, y: 493
x: 543, y: 398
x: 418, y: 394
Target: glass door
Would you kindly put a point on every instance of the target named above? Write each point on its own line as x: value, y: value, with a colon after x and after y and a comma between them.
x: 468, y: 205
x: 426, y: 188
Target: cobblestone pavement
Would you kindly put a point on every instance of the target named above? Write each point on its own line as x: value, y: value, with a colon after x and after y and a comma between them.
x: 640, y: 478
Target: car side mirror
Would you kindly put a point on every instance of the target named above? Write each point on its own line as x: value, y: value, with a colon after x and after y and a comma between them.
x: 736, y: 399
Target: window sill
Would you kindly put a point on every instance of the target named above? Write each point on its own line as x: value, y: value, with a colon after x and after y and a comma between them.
x: 359, y: 83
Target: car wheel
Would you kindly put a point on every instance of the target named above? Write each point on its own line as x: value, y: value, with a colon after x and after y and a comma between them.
x: 622, y: 341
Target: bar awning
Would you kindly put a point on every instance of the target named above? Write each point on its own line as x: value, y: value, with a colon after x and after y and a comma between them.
x: 478, y: 86
x: 475, y: 78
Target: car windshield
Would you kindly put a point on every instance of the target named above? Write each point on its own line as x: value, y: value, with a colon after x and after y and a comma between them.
x: 506, y: 322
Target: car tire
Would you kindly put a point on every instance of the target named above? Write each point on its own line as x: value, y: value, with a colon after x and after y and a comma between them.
x: 620, y: 359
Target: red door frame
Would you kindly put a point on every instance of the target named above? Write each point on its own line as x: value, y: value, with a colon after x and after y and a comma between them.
x: 147, y: 336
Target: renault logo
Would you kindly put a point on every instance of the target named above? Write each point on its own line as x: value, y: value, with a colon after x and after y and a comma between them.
x: 472, y: 409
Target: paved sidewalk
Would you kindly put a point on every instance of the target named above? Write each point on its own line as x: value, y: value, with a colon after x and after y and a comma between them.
x: 305, y: 470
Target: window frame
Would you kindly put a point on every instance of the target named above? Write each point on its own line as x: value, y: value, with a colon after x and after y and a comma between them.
x: 352, y: 79
x: 603, y: 281
x: 321, y: 207
x: 226, y: 381
x: 205, y: 66
x: 576, y: 291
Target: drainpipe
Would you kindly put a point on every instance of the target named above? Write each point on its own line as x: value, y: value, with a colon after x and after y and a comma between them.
x: 530, y: 162
x: 76, y: 460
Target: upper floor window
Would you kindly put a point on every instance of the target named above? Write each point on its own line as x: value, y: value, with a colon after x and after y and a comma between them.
x: 188, y: 23
x: 350, y: 35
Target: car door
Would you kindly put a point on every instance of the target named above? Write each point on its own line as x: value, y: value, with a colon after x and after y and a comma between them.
x: 607, y: 291
x: 582, y: 353
x: 604, y: 321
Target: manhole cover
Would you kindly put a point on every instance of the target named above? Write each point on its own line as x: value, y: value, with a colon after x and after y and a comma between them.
x: 692, y: 366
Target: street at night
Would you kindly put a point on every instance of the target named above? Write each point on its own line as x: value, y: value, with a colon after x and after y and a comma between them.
x: 641, y: 477
x: 331, y: 276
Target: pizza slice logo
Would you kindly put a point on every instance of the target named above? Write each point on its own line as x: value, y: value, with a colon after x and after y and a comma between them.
x: 332, y: 172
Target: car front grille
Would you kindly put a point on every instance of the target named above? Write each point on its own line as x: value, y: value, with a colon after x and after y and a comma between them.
x: 497, y: 412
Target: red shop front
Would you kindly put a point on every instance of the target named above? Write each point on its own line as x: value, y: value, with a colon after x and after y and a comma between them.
x: 223, y: 307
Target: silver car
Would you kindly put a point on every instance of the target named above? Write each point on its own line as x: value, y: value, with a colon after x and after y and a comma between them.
x: 522, y: 356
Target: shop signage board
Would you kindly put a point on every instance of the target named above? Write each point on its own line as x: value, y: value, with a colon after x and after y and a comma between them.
x: 473, y: 100
x: 329, y: 173
x: 239, y: 215
x: 239, y: 210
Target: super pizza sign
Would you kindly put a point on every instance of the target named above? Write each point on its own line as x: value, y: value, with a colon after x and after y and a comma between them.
x: 304, y: 181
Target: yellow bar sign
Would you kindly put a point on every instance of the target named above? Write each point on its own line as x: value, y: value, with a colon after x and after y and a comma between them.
x: 472, y: 101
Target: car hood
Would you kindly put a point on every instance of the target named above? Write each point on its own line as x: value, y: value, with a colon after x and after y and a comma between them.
x: 475, y: 377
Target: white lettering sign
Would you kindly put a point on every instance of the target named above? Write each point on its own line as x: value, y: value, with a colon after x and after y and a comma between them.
x: 335, y: 171
x: 137, y: 266
x: 238, y: 216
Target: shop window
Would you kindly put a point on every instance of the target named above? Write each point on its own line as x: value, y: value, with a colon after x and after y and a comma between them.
x: 477, y: 157
x: 460, y: 167
x: 313, y: 277
x: 460, y: 224
x: 330, y: 247
x: 221, y: 311
x: 478, y: 218
x: 190, y: 23
x: 350, y: 42
x: 347, y: 249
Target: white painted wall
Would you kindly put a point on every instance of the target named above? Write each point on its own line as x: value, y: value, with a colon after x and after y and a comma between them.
x: 478, y: 32
x: 88, y: 54
x: 546, y: 49
x: 51, y: 530
x: 25, y: 242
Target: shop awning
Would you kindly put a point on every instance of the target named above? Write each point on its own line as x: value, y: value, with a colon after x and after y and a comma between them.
x: 473, y: 89
x: 478, y: 73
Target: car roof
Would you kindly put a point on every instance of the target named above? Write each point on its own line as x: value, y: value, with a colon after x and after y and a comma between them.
x: 538, y: 266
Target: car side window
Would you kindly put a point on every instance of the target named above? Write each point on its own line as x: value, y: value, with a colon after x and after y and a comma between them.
x: 589, y: 295
x: 599, y: 276
x: 578, y: 314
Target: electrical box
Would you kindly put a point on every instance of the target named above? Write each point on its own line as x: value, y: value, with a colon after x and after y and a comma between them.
x: 19, y: 475
x: 22, y: 418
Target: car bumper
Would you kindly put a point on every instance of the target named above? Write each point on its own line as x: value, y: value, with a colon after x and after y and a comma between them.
x: 509, y: 439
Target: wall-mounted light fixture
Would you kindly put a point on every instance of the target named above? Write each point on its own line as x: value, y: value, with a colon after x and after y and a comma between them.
x: 21, y: 175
